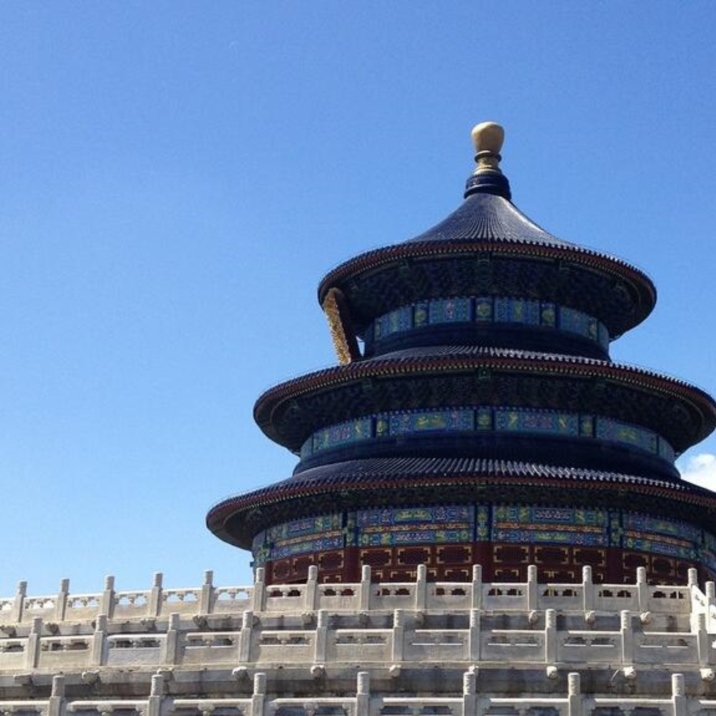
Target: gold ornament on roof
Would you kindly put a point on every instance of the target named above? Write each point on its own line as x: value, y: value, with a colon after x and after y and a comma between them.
x: 488, y: 138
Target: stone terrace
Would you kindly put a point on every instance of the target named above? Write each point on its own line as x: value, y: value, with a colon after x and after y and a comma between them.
x: 414, y: 649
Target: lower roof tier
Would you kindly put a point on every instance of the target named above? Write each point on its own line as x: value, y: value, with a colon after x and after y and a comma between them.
x: 394, y: 482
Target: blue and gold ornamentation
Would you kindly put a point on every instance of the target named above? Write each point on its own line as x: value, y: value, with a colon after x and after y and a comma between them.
x: 450, y: 310
x: 537, y: 421
x: 443, y: 524
x: 550, y: 525
x: 619, y: 432
x: 483, y: 419
x: 517, y: 310
x: 489, y: 309
x: 432, y: 421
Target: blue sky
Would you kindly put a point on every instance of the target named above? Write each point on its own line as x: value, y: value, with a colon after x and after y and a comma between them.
x: 176, y: 177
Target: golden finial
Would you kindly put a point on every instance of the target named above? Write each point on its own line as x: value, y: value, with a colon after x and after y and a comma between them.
x: 487, y: 138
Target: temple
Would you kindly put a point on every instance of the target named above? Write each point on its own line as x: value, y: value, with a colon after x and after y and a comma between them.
x: 476, y: 417
x: 485, y: 518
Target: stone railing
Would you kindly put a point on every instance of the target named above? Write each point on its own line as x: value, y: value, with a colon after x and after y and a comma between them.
x: 160, y: 602
x: 314, y: 626
x: 155, y: 602
x: 363, y: 702
x: 404, y: 639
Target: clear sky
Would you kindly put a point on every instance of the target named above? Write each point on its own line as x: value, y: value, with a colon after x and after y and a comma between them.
x: 176, y: 177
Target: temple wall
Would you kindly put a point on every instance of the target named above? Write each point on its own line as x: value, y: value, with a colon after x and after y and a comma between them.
x: 504, y: 539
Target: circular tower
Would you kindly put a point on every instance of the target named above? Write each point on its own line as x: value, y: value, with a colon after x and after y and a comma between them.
x: 476, y: 417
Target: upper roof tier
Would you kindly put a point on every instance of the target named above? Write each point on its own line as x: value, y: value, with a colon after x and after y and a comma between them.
x: 486, y: 249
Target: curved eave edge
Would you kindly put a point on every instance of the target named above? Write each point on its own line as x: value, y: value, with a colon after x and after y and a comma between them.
x: 575, y: 367
x: 589, y: 258
x: 684, y: 493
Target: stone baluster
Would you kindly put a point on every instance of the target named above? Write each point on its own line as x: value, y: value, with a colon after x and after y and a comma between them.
x: 532, y: 588
x: 99, y: 641
x: 106, y: 600
x: 627, y: 637
x: 710, y: 603
x: 365, y: 588
x: 19, y: 603
x: 319, y: 654
x: 258, y: 698
x: 477, y: 586
x: 171, y: 642
x: 474, y: 635
x: 398, y: 635
x: 421, y: 588
x: 245, y: 636
x: 587, y: 589
x: 363, y: 694
x: 678, y: 695
x: 156, y: 695
x: 312, y: 595
x: 61, y: 602
x: 574, y: 695
x: 56, y: 702
x: 259, y: 594
x: 702, y: 639
x: 550, y: 636
x: 32, y: 654
x: 206, y: 600
x: 155, y: 596
x: 469, y: 692
x: 642, y: 589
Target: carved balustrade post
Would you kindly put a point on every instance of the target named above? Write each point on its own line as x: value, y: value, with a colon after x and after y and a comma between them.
x: 398, y: 635
x: 627, y: 638
x: 710, y: 603
x: 319, y: 653
x: 363, y: 694
x: 259, y: 594
x: 56, y: 702
x: 32, y: 655
x: 258, y: 698
x: 702, y: 639
x: 156, y: 695
x: 532, y: 588
x: 365, y: 588
x: 61, y: 602
x: 98, y: 655
x: 421, y: 588
x: 206, y: 600
x: 155, y: 596
x: 311, y: 596
x: 678, y: 695
x: 245, y: 636
x: 550, y: 636
x: 106, y: 600
x: 587, y: 589
x: 477, y: 586
x: 469, y: 692
x: 171, y: 641
x: 474, y: 635
x: 574, y: 695
x: 19, y: 603
x: 642, y: 589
